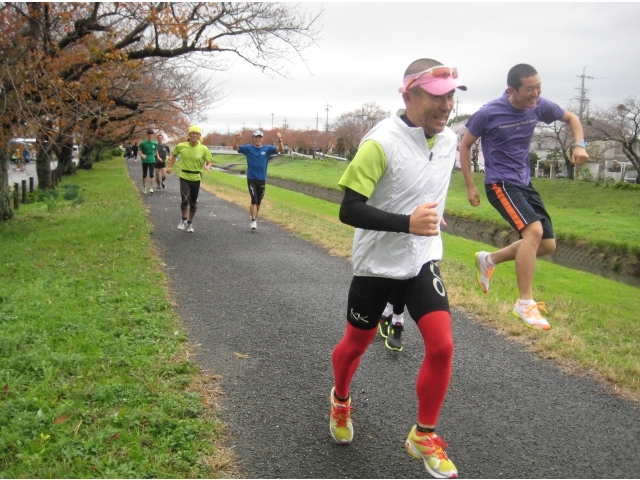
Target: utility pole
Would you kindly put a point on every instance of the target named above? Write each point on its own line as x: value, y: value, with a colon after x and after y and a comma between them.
x: 272, y: 120
x: 584, y: 101
x: 327, y: 124
x: 285, y: 123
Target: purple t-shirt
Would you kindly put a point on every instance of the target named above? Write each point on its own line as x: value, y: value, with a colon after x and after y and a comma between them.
x: 257, y: 159
x: 506, y: 133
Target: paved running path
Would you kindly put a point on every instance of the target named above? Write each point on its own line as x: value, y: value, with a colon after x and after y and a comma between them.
x: 282, y: 301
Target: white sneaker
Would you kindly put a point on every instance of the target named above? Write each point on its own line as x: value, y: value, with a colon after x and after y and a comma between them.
x: 144, y: 190
x: 182, y: 225
x: 484, y: 270
x: 151, y: 190
x: 531, y: 316
x: 190, y: 228
x: 254, y: 225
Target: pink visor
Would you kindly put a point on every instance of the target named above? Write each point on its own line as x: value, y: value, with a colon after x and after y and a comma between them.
x: 436, y: 80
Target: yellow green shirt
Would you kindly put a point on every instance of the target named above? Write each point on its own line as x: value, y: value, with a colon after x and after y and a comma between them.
x: 367, y: 167
x: 192, y: 159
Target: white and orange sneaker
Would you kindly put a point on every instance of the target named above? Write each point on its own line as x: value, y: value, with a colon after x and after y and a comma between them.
x: 340, y: 420
x: 484, y: 270
x: 531, y: 316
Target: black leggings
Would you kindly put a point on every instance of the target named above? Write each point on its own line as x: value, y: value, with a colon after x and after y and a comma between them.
x: 189, y: 190
x: 148, y: 167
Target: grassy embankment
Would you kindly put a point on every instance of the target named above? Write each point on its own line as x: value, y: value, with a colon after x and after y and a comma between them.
x: 95, y: 379
x: 594, y: 320
x: 581, y: 212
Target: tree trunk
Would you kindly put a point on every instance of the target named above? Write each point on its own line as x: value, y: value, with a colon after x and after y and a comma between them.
x: 65, y: 163
x: 88, y: 156
x: 43, y: 167
x: 6, y: 212
x: 568, y: 163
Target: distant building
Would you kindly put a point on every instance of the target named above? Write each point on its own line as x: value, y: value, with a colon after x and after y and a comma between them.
x: 460, y: 129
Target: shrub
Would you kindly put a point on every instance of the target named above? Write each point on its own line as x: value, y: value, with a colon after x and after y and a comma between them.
x: 71, y: 191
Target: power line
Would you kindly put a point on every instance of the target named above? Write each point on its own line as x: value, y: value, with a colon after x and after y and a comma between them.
x: 327, y: 124
x: 584, y: 101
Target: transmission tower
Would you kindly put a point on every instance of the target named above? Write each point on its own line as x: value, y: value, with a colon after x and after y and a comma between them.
x: 326, y: 129
x: 584, y: 101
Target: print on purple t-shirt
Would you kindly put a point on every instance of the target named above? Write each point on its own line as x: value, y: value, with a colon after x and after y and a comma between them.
x: 506, y: 135
x: 257, y: 159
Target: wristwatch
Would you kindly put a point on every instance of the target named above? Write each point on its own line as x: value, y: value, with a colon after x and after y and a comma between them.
x: 579, y: 144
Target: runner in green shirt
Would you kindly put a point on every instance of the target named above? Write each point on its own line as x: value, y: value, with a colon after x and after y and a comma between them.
x: 148, y: 149
x: 193, y: 157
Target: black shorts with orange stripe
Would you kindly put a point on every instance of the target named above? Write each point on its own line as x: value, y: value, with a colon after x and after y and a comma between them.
x: 519, y: 205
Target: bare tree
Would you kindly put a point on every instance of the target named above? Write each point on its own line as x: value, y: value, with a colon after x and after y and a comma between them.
x: 350, y: 127
x: 621, y: 124
x: 558, y: 134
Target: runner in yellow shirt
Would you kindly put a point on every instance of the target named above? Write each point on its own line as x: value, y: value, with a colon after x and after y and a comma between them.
x: 193, y: 158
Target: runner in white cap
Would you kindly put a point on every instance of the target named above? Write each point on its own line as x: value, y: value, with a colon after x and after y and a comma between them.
x: 257, y: 159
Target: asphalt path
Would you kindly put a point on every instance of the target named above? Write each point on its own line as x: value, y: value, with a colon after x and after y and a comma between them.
x: 265, y: 309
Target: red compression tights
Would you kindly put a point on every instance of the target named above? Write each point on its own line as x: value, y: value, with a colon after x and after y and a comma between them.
x: 346, y: 356
x: 435, y: 372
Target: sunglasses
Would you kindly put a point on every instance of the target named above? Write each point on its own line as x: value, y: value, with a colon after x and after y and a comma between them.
x: 436, y: 72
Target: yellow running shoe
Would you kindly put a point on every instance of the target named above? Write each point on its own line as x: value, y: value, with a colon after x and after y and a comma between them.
x: 340, y: 421
x: 431, y: 451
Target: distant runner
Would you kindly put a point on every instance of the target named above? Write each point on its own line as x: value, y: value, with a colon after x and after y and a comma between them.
x: 161, y: 171
x: 506, y: 126
x: 148, y: 149
x: 193, y: 157
x: 257, y: 159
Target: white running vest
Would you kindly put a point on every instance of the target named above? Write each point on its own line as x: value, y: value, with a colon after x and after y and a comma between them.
x: 414, y: 176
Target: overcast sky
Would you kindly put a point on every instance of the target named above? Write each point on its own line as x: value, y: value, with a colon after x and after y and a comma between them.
x: 365, y: 48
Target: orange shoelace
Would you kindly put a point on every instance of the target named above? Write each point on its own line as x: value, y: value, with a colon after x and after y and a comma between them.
x: 436, y: 444
x: 341, y: 415
x: 534, y: 310
x: 487, y: 271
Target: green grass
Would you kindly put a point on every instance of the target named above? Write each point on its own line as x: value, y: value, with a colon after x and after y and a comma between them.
x: 95, y: 379
x: 322, y: 173
x: 581, y: 211
x: 591, y: 333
